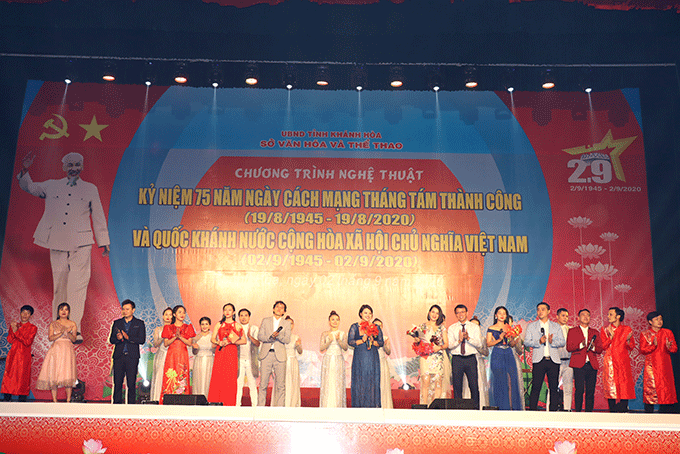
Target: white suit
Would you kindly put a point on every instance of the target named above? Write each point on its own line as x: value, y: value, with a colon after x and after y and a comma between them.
x: 66, y: 231
x: 248, y: 367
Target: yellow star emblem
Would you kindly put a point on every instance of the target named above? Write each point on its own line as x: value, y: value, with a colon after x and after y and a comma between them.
x: 618, y: 145
x: 93, y: 129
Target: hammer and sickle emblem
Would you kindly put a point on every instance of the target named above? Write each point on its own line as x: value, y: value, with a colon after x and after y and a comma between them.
x: 61, y: 132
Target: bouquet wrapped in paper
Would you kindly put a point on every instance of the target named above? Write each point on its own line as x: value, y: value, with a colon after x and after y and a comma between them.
x: 371, y: 330
x: 413, y: 332
x: 423, y: 349
x: 513, y: 331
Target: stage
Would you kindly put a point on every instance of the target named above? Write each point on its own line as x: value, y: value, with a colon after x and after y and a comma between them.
x: 63, y: 428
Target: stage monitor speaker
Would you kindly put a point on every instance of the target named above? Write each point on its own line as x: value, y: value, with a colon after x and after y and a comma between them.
x: 453, y: 404
x: 418, y: 407
x: 185, y: 399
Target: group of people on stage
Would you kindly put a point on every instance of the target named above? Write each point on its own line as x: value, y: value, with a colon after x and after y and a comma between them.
x: 235, y: 353
x: 562, y: 353
x: 569, y: 355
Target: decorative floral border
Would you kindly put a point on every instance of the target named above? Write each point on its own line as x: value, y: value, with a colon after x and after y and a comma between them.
x: 146, y: 435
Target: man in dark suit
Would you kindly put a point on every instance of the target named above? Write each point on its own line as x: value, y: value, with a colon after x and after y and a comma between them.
x: 584, y: 342
x: 127, y: 334
x: 274, y: 334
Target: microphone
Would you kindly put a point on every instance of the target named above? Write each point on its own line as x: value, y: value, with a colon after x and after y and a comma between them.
x: 277, y: 331
x: 592, y: 341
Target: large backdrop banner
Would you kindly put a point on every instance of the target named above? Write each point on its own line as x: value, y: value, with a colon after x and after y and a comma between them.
x: 326, y: 200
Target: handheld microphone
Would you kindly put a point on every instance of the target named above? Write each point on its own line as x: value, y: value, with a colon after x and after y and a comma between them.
x: 271, y: 336
x: 592, y: 341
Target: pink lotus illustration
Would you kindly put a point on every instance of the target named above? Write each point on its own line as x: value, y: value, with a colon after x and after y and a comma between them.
x: 564, y: 447
x: 623, y: 289
x: 633, y: 313
x: 581, y: 223
x: 93, y: 446
x: 590, y: 251
x: 573, y: 266
x: 610, y: 237
x: 637, y: 320
x: 600, y: 272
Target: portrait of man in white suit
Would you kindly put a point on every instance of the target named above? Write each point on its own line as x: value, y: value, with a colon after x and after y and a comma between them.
x: 65, y: 229
x: 274, y: 334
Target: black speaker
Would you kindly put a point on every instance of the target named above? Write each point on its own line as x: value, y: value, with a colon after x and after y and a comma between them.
x: 453, y: 404
x: 184, y: 399
x: 418, y: 407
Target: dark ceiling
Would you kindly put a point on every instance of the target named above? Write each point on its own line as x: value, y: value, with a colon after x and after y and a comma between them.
x: 481, y: 32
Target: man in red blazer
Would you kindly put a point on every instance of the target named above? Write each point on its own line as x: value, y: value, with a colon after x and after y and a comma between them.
x: 584, y: 342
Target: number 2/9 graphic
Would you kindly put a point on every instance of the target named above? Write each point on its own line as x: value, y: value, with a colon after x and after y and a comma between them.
x: 600, y: 171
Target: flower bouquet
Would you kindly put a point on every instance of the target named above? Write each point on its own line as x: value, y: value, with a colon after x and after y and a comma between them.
x: 514, y: 331
x: 370, y: 330
x: 413, y: 332
x: 422, y: 349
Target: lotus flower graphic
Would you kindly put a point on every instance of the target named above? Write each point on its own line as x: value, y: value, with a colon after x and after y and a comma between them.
x: 633, y: 313
x: 623, y: 289
x: 93, y: 446
x: 590, y: 251
x: 564, y: 447
x: 573, y: 266
x: 610, y: 237
x: 600, y: 272
x: 581, y: 223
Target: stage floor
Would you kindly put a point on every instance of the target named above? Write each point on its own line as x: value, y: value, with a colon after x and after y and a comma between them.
x: 63, y: 428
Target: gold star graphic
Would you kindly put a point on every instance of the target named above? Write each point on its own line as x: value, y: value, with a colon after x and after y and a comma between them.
x: 608, y: 142
x: 93, y: 129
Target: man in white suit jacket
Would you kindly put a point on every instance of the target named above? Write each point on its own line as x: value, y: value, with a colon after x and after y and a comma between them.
x: 545, y: 337
x: 66, y: 231
x: 248, y: 363
x: 274, y: 334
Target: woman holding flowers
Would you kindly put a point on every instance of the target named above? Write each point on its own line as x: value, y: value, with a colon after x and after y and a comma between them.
x: 226, y: 337
x: 365, y: 338
x: 177, y: 336
x: 503, y: 338
x: 430, y: 343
